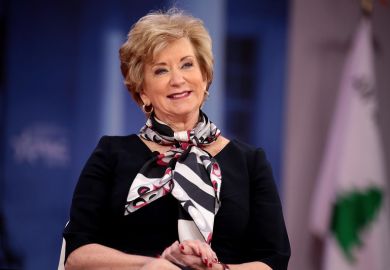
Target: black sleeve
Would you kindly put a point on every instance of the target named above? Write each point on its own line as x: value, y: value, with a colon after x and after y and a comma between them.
x: 88, y: 213
x: 267, y: 231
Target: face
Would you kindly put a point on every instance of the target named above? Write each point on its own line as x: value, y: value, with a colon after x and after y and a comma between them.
x: 173, y: 82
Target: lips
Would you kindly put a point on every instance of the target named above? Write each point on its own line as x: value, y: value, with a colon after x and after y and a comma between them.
x: 180, y: 95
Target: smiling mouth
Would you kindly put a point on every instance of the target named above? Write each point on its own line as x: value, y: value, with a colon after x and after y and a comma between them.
x: 180, y: 95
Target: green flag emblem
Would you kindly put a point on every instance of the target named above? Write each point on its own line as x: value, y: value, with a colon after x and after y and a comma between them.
x: 352, y: 213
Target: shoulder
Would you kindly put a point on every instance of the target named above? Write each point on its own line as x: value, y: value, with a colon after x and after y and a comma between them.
x: 258, y: 167
x: 253, y: 156
x: 112, y: 145
x: 107, y: 142
x: 245, y: 148
x: 118, y: 149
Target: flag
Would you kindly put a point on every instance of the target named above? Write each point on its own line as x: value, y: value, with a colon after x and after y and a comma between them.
x: 349, y: 212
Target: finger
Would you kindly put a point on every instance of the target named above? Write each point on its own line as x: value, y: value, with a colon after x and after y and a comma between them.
x: 172, y: 254
x: 178, y: 249
x: 215, y: 257
x: 207, y: 254
x: 184, y: 249
x: 166, y: 252
x: 212, y: 253
x: 202, y: 249
x: 171, y: 248
x: 191, y: 247
x: 188, y: 250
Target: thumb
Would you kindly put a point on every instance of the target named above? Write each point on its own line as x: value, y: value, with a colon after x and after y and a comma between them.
x: 184, y: 249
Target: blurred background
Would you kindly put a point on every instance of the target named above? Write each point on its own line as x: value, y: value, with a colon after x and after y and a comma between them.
x: 277, y: 71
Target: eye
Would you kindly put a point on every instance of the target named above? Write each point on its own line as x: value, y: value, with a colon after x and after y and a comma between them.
x: 187, y: 65
x: 160, y: 71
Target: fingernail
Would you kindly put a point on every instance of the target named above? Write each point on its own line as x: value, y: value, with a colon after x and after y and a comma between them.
x: 210, y: 265
x: 205, y: 261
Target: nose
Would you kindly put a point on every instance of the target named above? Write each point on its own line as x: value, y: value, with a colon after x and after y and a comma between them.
x: 177, y: 78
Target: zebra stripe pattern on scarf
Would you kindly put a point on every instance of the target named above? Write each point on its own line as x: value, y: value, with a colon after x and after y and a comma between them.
x: 186, y: 171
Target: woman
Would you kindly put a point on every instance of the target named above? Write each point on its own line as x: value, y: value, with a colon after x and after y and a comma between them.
x: 178, y: 194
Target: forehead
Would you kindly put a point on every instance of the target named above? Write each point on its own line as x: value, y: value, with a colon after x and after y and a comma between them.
x: 175, y: 49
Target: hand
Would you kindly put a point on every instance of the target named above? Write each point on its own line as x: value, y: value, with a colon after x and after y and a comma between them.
x: 191, y: 253
x: 159, y: 264
x: 200, y: 249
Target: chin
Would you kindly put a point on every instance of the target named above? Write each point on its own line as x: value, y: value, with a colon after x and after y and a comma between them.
x: 185, y: 111
x: 185, y: 108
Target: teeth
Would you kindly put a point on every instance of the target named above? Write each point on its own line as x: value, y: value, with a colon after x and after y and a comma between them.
x: 179, y: 95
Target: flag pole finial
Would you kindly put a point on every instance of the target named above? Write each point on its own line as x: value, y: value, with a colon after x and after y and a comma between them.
x: 366, y: 7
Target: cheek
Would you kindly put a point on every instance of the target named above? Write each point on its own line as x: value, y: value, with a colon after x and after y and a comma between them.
x: 154, y: 88
x: 199, y: 81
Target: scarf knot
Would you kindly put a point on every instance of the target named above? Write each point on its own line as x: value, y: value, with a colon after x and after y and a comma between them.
x: 191, y: 175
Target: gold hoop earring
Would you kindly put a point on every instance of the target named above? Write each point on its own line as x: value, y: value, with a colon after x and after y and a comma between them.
x: 148, y: 109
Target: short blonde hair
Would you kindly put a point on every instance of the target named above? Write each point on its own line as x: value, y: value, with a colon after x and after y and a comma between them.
x: 152, y: 33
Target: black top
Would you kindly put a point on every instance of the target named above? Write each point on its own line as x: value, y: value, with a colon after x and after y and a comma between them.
x: 249, y: 225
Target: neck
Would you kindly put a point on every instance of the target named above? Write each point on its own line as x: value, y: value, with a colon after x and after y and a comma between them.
x: 181, y: 123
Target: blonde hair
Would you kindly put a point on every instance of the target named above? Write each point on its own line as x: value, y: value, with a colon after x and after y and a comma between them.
x: 152, y: 33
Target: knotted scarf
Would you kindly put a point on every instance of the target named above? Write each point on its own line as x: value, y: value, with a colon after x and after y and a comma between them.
x: 190, y: 174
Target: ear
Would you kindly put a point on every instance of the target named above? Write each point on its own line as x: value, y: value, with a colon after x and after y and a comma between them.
x: 144, y: 97
x: 205, y: 83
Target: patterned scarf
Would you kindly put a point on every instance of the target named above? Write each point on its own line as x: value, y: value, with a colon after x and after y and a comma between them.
x: 191, y: 175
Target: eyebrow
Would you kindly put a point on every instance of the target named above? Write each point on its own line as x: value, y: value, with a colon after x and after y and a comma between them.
x: 181, y: 59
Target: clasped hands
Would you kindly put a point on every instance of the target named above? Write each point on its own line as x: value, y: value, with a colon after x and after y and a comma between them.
x: 190, y: 253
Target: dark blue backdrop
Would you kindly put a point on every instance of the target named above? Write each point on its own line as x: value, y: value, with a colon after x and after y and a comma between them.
x: 51, y: 96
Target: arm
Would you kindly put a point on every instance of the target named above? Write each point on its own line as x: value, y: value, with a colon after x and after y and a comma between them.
x: 267, y: 235
x: 89, y: 215
x: 95, y: 256
x: 268, y: 246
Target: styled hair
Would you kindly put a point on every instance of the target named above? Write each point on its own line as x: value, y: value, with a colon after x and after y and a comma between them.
x: 154, y: 32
